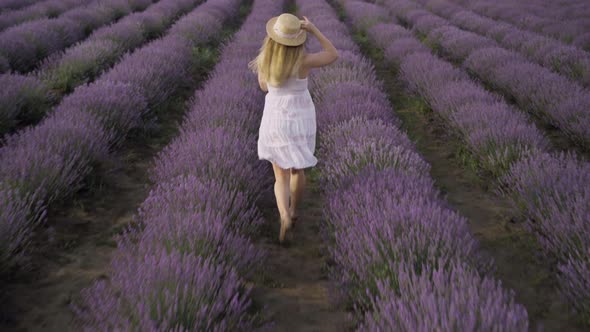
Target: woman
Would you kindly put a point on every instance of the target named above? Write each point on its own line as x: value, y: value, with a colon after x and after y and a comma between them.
x: 288, y: 127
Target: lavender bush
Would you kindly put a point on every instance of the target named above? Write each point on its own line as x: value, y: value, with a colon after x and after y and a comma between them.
x: 546, y: 94
x: 117, y: 106
x: 364, y: 14
x: 382, y: 33
x: 220, y: 155
x: 15, y: 4
x: 453, y: 299
x: 189, y: 194
x: 53, y: 158
x: 466, y: 106
x: 546, y: 188
x: 64, y: 71
x: 80, y: 65
x: 15, y: 232
x: 203, y: 233
x: 516, y: 14
x: 401, y: 48
x: 564, y: 59
x: 412, y: 227
x: 386, y: 210
x: 353, y: 157
x: 191, y: 241
x: 23, y: 100
x: 26, y: 44
x: 166, y: 291
x: 575, y: 283
x: 553, y: 191
x: 38, y: 10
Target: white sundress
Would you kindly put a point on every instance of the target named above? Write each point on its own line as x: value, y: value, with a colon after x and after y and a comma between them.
x: 287, y: 134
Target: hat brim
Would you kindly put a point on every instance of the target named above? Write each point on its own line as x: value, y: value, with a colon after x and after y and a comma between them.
x: 281, y: 40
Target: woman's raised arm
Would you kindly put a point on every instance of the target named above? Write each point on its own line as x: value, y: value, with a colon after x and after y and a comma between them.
x: 322, y: 58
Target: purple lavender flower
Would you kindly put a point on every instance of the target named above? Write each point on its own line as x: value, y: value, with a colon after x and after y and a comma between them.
x: 158, y: 69
x: 451, y: 299
x: 117, y: 106
x: 370, y: 150
x: 189, y: 194
x: 456, y: 43
x: 339, y: 74
x: 201, y: 232
x: 402, y: 48
x: 574, y: 282
x: 553, y: 191
x: 41, y: 9
x: 364, y: 15
x: 226, y: 104
x: 334, y: 112
x: 358, y: 128
x: 18, y: 215
x: 15, y: 4
x: 382, y: 34
x: 215, y: 153
x: 424, y: 72
x: 54, y: 156
x: 63, y: 72
x: 387, y: 218
x: 166, y: 291
x: 23, y: 100
x: 26, y: 44
x: 483, y: 62
x: 428, y: 22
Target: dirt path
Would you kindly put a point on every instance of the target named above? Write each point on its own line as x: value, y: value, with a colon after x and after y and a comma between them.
x: 501, y: 235
x: 293, y: 290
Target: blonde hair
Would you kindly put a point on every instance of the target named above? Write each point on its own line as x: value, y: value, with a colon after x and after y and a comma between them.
x: 277, y: 62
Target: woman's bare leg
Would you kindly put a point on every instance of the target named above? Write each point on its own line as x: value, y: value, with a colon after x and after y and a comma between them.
x: 282, y: 192
x: 297, y: 187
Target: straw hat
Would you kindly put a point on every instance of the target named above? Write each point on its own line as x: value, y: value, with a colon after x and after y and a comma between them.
x: 286, y: 29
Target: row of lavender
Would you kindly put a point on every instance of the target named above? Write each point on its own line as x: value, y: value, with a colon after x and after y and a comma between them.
x: 43, y: 164
x: 23, y: 46
x: 496, y: 134
x: 550, y: 189
x: 565, y: 59
x: 553, y: 98
x: 25, y: 100
x: 183, y: 270
x: 571, y: 25
x: 560, y: 9
x: 402, y: 258
x: 16, y: 4
x: 12, y: 13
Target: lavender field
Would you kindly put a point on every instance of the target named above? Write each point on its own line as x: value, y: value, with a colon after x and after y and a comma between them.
x: 452, y: 191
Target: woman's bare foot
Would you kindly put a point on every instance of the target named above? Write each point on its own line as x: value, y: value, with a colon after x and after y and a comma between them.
x: 286, y: 224
x: 294, y: 217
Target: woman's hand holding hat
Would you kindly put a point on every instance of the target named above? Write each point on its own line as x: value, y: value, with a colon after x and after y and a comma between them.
x: 307, y: 25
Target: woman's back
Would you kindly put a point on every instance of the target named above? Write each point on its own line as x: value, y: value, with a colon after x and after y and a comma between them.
x: 291, y: 85
x: 287, y: 131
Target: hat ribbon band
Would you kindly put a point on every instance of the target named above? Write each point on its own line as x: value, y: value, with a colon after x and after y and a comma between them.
x: 286, y: 35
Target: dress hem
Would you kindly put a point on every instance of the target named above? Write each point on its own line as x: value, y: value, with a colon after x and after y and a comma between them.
x: 296, y: 166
